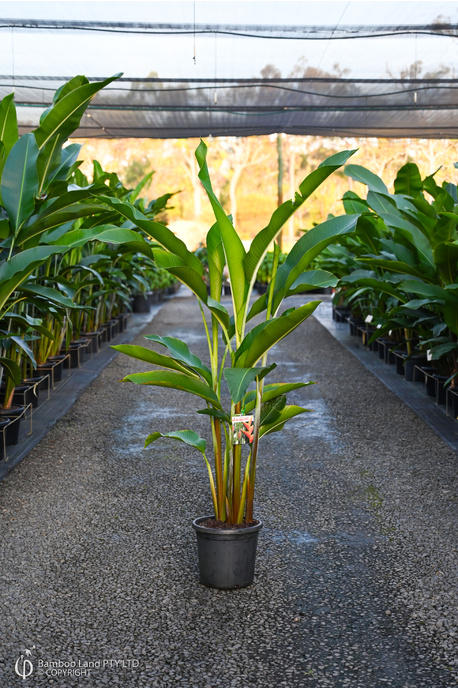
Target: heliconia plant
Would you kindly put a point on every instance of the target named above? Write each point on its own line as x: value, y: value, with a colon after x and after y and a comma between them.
x: 237, y: 353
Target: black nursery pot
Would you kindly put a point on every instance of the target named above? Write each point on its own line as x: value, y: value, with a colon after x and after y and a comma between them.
x: 12, y: 431
x: 4, y: 421
x: 226, y: 556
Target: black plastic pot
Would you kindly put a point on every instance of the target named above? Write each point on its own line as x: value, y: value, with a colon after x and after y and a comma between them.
x: 141, y: 304
x: 410, y: 364
x: 27, y: 393
x: 3, y: 423
x: 452, y: 402
x: 226, y: 556
x: 441, y: 392
x: 12, y: 430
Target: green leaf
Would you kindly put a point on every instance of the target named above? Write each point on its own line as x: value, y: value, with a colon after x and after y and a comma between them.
x: 262, y: 241
x: 288, y: 412
x: 157, y: 231
x: 353, y: 203
x: 147, y: 355
x: 48, y: 293
x: 219, y: 414
x: 12, y: 369
x: 180, y: 351
x: 238, y: 379
x: 271, y: 410
x: 311, y: 280
x: 361, y: 174
x: 412, y: 234
x: 20, y: 181
x: 408, y: 180
x: 272, y: 391
x: 8, y: 123
x: 64, y: 117
x: 306, y: 249
x: 178, y: 381
x: 185, y: 436
x: 216, y: 261
x: 261, y: 338
x: 233, y: 247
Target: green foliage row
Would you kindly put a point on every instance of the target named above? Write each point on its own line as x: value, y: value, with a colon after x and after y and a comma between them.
x: 400, y: 267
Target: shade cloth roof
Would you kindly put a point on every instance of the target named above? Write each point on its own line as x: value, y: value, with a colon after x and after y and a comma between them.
x: 239, y: 68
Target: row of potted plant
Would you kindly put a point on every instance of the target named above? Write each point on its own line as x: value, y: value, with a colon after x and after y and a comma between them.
x: 399, y: 272
x: 70, y: 263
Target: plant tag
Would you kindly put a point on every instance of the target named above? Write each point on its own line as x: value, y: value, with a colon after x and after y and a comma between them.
x: 242, y: 429
x: 429, y: 355
x: 368, y: 318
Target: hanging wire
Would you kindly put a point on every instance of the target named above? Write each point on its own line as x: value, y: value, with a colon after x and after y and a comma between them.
x: 194, y: 11
x: 332, y: 35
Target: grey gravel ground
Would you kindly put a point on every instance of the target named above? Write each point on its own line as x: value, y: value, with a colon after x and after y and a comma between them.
x: 356, y: 581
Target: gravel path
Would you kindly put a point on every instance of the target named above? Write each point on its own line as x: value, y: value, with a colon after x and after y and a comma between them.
x: 356, y: 581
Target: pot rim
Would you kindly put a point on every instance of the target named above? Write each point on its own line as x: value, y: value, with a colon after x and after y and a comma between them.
x: 227, y: 532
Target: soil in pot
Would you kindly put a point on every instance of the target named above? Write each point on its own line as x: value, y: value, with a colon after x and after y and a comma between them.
x: 11, y: 431
x: 227, y: 554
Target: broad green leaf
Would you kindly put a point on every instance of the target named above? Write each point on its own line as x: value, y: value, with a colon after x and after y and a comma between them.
x: 238, y: 379
x: 19, y: 180
x: 232, y: 244
x: 353, y: 203
x: 157, y: 231
x: 311, y: 280
x: 306, y: 249
x: 408, y: 180
x: 64, y: 117
x: 271, y: 410
x: 12, y: 369
x: 288, y: 412
x: 8, y: 123
x: 365, y: 176
x: 146, y: 355
x: 191, y: 279
x: 47, y: 293
x: 48, y: 161
x: 381, y: 203
x: 272, y: 391
x: 218, y: 414
x: 412, y: 234
x: 178, y: 381
x: 262, y: 241
x: 185, y: 436
x: 141, y: 186
x: 68, y: 158
x: 216, y: 261
x: 263, y: 337
x: 180, y: 351
x: 24, y: 347
x: 19, y: 267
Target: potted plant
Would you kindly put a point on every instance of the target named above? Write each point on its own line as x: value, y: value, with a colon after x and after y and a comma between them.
x: 238, y: 360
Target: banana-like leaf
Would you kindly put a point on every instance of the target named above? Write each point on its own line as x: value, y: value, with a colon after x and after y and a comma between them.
x: 261, y: 338
x: 12, y: 369
x: 216, y: 260
x: 415, y: 236
x: 48, y: 161
x: 22, y: 345
x: 262, y: 241
x: 218, y: 414
x: 272, y: 391
x: 288, y: 412
x: 361, y: 174
x: 19, y: 267
x: 382, y: 203
x: 353, y: 203
x: 68, y: 159
x: 19, y: 180
x: 238, y: 379
x: 192, y: 279
x: 181, y: 352
x: 157, y: 231
x: 146, y: 355
x: 185, y: 436
x: 233, y: 247
x: 26, y: 320
x: 8, y: 123
x: 64, y: 117
x: 306, y: 249
x: 271, y: 410
x: 48, y: 293
x: 178, y: 381
x: 141, y: 186
x: 310, y: 280
x: 408, y: 180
